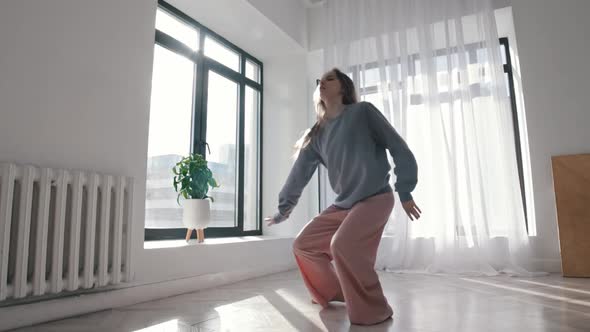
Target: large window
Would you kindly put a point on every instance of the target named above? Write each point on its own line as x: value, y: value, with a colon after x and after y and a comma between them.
x: 206, y: 98
x: 369, y: 77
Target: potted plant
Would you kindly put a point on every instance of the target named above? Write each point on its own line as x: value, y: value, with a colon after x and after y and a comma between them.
x: 192, y: 179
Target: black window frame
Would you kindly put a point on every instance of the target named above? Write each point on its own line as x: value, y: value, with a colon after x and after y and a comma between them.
x: 471, y: 49
x: 513, y: 105
x: 199, y: 131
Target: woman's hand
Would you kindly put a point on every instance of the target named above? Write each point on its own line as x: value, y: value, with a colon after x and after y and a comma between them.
x: 270, y: 221
x: 412, y: 210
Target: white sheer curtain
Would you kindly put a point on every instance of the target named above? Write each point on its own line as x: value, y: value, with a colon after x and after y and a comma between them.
x: 434, y: 68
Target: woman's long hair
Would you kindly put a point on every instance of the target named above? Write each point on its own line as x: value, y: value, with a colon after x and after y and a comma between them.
x: 348, y: 97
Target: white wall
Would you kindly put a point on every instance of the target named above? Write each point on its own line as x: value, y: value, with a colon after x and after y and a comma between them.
x: 553, y: 46
x: 286, y: 116
x: 75, y: 87
x: 75, y: 81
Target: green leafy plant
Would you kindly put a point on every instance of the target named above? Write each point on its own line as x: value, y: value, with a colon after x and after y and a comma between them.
x: 193, y: 178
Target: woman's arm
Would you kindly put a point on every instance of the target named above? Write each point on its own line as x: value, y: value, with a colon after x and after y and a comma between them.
x: 305, y: 165
x: 406, y: 168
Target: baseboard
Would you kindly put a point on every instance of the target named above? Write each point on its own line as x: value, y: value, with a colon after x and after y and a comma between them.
x: 40, y: 312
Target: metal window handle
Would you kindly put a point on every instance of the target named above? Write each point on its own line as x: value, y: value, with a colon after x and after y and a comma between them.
x: 206, y: 144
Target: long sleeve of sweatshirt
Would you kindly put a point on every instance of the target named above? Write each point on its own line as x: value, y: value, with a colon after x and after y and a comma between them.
x: 305, y: 165
x: 406, y: 168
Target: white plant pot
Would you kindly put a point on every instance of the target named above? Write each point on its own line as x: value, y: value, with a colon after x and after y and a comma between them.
x: 196, y: 213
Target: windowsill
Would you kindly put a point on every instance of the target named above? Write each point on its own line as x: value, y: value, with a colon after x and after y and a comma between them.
x: 212, y: 241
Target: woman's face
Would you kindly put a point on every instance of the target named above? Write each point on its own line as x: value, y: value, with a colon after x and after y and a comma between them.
x: 330, y: 88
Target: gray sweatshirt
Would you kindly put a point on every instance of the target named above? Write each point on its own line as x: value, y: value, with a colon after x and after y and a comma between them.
x: 352, y: 147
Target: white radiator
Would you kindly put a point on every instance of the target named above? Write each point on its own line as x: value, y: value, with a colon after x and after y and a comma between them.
x: 62, y: 230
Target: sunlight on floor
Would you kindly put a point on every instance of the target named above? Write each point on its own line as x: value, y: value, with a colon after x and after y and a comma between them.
x: 254, y: 312
x: 531, y: 292
x: 569, y: 289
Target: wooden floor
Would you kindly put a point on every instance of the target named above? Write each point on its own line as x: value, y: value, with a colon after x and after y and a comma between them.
x: 280, y: 302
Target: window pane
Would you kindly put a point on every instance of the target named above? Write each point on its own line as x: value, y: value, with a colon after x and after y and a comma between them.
x: 251, y: 157
x: 252, y: 71
x: 222, y: 54
x: 482, y: 55
x: 376, y: 99
x: 169, y: 135
x: 174, y: 27
x: 441, y: 63
x: 370, y: 77
x: 507, y: 83
x: 503, y: 51
x: 222, y: 110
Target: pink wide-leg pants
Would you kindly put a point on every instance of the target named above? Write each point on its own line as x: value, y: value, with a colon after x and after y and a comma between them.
x: 350, y: 237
